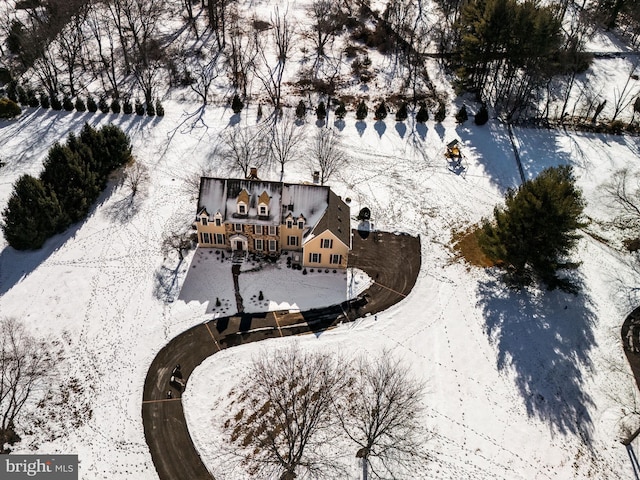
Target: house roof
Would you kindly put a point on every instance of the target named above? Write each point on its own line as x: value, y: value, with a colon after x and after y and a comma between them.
x: 316, y: 203
x: 336, y: 219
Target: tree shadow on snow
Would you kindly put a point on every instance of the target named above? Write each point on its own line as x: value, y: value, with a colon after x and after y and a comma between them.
x: 380, y: 127
x: 339, y: 124
x: 546, y: 339
x: 401, y: 128
x: 361, y: 127
x: 16, y: 265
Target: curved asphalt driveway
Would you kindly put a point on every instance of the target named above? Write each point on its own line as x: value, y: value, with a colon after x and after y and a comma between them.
x: 392, y: 261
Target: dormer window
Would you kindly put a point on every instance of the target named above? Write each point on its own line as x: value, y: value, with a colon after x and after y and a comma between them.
x: 218, y: 219
x: 300, y: 224
x: 263, y: 211
x: 289, y: 223
x: 204, y: 221
x: 242, y: 209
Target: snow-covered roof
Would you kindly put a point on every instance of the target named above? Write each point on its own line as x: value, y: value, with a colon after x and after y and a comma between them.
x: 221, y: 195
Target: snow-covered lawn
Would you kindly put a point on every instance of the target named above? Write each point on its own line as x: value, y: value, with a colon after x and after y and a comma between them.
x: 518, y: 385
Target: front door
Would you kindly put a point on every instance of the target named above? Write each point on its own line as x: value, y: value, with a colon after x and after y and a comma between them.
x: 239, y: 245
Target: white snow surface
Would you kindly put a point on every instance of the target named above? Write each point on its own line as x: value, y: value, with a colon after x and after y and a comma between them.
x: 519, y: 384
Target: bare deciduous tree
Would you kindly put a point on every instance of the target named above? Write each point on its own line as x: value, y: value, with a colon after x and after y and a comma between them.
x: 381, y: 414
x: 326, y: 155
x: 136, y: 176
x: 243, y: 147
x: 178, y: 240
x: 269, y: 70
x: 205, y: 71
x: 26, y: 366
x: 284, y: 138
x: 281, y: 417
x: 623, y: 196
x: 241, y: 53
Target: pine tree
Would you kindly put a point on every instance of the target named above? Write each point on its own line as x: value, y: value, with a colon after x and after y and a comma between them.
x: 56, y: 104
x: 441, y: 113
x: 423, y: 114
x: 103, y: 105
x: 401, y: 114
x: 151, y: 111
x: 80, y: 105
x: 33, y: 99
x: 361, y: 110
x: 44, y: 101
x: 159, y: 109
x: 22, y: 96
x: 381, y: 111
x: 92, y: 106
x: 71, y: 178
x: 341, y: 111
x: 482, y: 116
x: 67, y: 104
x: 532, y: 237
x: 115, y: 106
x: 31, y: 215
x: 139, y: 107
x: 236, y: 104
x: 301, y: 110
x: 321, y: 111
x: 462, y: 115
x: 127, y: 107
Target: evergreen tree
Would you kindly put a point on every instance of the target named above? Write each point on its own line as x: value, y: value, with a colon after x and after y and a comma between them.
x: 151, y: 111
x: 92, y: 106
x: 482, y: 116
x: 71, y: 178
x: 159, y: 109
x: 462, y: 115
x: 381, y: 111
x: 33, y: 99
x: 401, y: 114
x: 31, y: 215
x: 127, y: 107
x: 117, y: 148
x: 103, y: 105
x: 259, y: 114
x: 139, y: 108
x: 341, y: 111
x: 12, y: 91
x: 441, y: 113
x: 115, y: 106
x: 236, y: 104
x: 44, y: 101
x: 22, y: 96
x: 67, y: 104
x: 56, y: 104
x: 423, y: 114
x: 321, y: 111
x: 301, y: 110
x: 80, y: 106
x: 533, y: 235
x: 361, y: 110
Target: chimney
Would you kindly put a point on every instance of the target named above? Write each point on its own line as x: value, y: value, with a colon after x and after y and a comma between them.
x: 316, y: 177
x: 253, y: 174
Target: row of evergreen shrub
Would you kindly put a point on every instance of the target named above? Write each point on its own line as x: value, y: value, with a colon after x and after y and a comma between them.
x: 30, y: 98
x: 73, y: 177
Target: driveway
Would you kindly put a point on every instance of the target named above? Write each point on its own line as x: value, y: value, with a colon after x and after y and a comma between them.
x: 391, y: 260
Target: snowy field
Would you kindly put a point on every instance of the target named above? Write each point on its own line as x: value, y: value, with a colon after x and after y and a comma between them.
x: 519, y: 384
